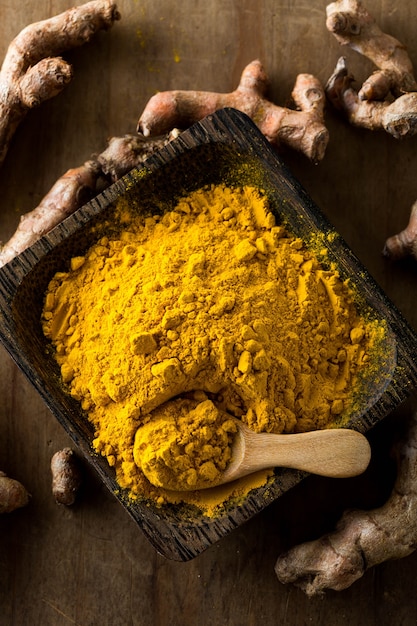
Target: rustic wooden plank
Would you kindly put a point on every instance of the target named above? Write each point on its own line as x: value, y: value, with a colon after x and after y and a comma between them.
x: 91, y: 564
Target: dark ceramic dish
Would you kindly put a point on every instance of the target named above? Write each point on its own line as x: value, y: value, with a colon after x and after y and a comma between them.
x: 224, y: 147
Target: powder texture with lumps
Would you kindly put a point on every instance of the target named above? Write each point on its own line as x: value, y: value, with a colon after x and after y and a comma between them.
x: 185, y: 445
x: 212, y: 301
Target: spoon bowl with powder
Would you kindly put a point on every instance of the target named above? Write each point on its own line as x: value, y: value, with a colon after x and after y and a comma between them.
x: 173, y: 461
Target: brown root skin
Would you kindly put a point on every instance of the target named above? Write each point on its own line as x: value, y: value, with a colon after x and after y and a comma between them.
x: 125, y: 153
x: 352, y: 25
x: 13, y: 494
x: 403, y: 244
x: 362, y: 539
x: 33, y: 71
x: 70, y: 191
x: 372, y: 107
x: 77, y: 186
x: 302, y: 129
x: 398, y: 117
x: 66, y: 476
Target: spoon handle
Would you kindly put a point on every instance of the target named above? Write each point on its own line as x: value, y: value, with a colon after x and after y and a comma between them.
x: 338, y: 452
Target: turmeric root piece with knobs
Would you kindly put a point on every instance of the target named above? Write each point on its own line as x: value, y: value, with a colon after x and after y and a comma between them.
x: 66, y: 476
x: 352, y: 25
x: 362, y: 539
x: 70, y: 191
x: 13, y: 494
x: 386, y: 100
x: 397, y: 117
x: 302, y: 129
x: 32, y: 71
x: 125, y: 153
x: 404, y: 243
x: 77, y: 186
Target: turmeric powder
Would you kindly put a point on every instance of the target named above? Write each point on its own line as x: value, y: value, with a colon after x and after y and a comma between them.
x: 210, y: 302
x: 186, y: 446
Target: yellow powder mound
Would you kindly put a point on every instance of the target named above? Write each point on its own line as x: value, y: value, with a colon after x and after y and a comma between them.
x: 185, y: 445
x: 213, y: 301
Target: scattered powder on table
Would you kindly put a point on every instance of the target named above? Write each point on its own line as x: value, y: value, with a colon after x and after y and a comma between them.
x: 211, y: 301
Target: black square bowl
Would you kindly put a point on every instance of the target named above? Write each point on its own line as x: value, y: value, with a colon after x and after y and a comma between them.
x: 224, y: 147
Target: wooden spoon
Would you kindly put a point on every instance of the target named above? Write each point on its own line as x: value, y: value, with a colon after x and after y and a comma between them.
x: 336, y: 452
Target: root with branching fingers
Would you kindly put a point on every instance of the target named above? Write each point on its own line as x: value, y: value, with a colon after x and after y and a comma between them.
x: 362, y: 539
x: 387, y: 99
x: 32, y: 71
x: 302, y: 129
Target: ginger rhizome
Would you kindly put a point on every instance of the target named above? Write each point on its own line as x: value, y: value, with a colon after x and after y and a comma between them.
x: 213, y: 298
x: 387, y: 99
x: 66, y: 476
x: 33, y: 71
x: 362, y: 539
x: 302, y: 129
x: 13, y: 495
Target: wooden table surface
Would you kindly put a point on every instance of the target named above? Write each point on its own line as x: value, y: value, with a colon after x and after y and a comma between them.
x: 90, y: 564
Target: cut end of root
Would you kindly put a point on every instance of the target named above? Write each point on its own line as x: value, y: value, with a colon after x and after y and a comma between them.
x: 319, y: 146
x: 394, y: 249
x: 404, y: 125
x: 336, y: 23
x: 143, y: 130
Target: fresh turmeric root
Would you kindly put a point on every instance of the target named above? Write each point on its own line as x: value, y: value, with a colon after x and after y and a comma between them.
x: 77, y: 186
x: 66, y: 476
x: 404, y: 243
x: 352, y: 25
x: 13, y: 494
x: 32, y: 72
x: 362, y: 539
x: 386, y: 100
x: 301, y: 129
x: 68, y: 193
x: 125, y: 153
